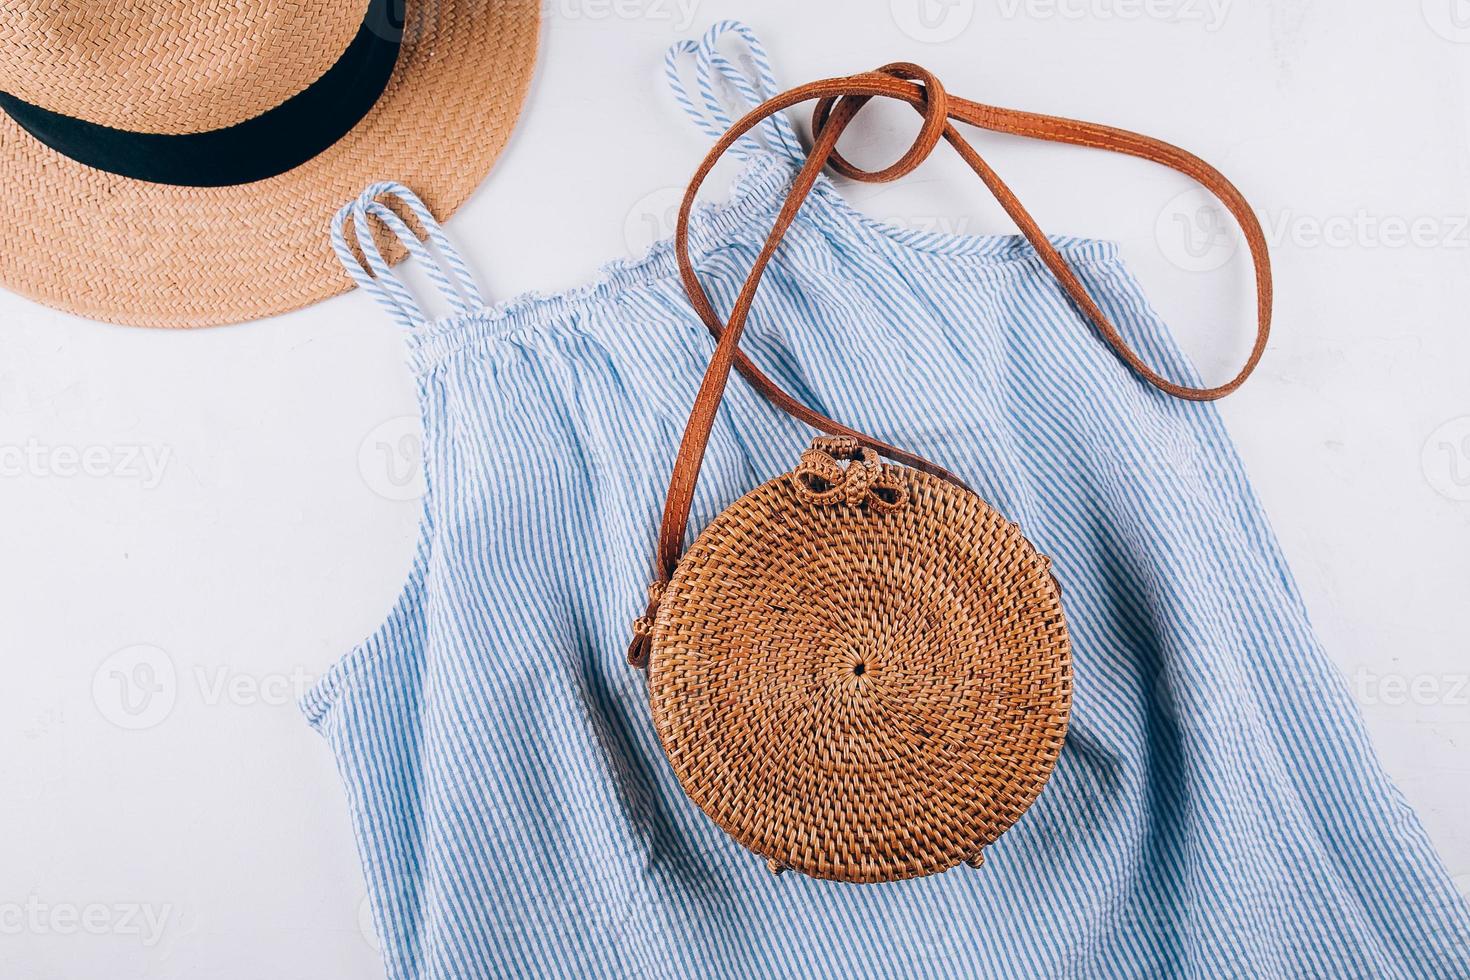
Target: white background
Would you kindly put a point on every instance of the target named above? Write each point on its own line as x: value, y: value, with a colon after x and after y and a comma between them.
x: 255, y: 537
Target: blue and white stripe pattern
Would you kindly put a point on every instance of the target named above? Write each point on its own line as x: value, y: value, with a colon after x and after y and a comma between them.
x: 1217, y: 811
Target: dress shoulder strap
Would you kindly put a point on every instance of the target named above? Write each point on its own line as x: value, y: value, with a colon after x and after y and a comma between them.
x: 397, y: 209
x: 747, y: 79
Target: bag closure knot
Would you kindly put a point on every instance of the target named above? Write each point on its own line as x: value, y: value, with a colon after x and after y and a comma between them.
x: 837, y: 469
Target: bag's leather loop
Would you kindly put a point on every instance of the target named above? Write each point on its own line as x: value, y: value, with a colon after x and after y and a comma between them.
x: 935, y: 110
x: 839, y: 100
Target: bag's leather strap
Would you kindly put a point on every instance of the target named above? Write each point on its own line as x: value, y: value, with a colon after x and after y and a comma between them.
x: 839, y: 100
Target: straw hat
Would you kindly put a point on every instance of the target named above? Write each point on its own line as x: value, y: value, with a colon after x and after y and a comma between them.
x: 177, y: 163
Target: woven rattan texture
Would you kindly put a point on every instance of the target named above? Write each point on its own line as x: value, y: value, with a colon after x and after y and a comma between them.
x: 862, y: 692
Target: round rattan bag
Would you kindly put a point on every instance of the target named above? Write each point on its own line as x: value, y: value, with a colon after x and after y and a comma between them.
x: 860, y: 672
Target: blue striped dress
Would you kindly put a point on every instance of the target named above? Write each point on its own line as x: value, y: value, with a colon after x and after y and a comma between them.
x: 1217, y: 811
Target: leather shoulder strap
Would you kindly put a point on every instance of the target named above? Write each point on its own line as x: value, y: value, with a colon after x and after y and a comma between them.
x: 838, y: 102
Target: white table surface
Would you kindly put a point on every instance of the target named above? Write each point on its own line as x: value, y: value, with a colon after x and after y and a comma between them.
x: 239, y: 527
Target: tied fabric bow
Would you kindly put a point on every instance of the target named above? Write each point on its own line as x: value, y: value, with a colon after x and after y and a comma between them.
x: 821, y: 478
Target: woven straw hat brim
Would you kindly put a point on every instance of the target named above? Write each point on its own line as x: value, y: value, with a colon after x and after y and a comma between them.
x: 133, y: 252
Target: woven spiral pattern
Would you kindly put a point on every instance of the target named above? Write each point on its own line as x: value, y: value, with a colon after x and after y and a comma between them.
x: 857, y: 692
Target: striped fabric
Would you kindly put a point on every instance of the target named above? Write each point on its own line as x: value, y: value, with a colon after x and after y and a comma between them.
x: 1217, y: 810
